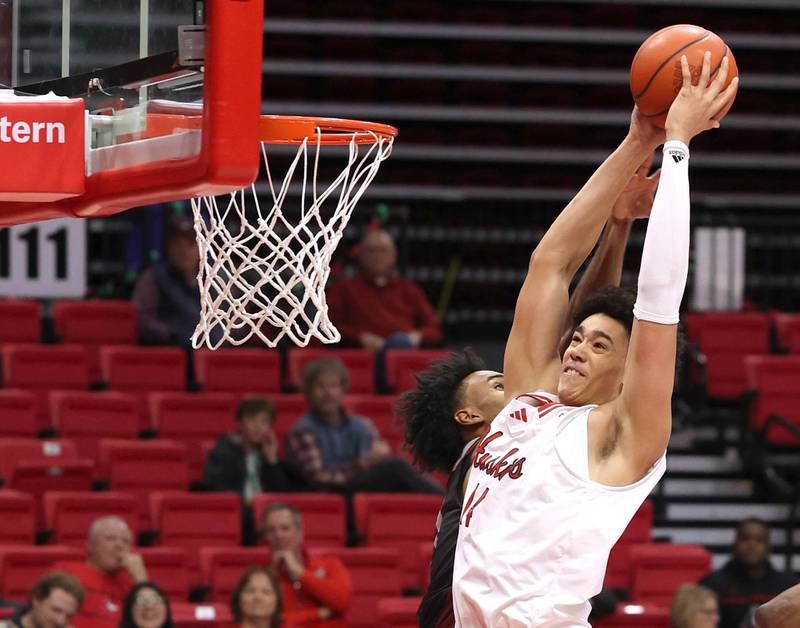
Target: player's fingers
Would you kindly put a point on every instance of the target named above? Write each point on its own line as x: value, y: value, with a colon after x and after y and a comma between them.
x: 646, y: 165
x: 720, y: 79
x: 705, y: 71
x: 725, y: 97
x: 685, y: 72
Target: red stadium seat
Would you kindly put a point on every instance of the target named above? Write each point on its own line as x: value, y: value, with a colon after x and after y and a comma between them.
x: 194, y: 520
x: 774, y: 381
x: 192, y: 419
x: 637, y: 532
x: 17, y: 518
x: 658, y: 569
x: 787, y: 327
x: 18, y: 413
x: 95, y: 322
x: 20, y: 320
x: 635, y: 616
x: 398, y: 612
x: 725, y: 338
x: 323, y: 515
x: 425, y: 557
x: 238, y: 370
x: 185, y: 615
x: 141, y: 370
x: 398, y: 520
x: 141, y: 467
x: 221, y: 567
x: 14, y: 451
x: 375, y: 575
x: 45, y: 367
x: 69, y: 514
x: 379, y: 409
x: 36, y: 477
x: 360, y: 363
x: 402, y: 365
x: 86, y: 417
x: 290, y: 408
x: 21, y: 566
x: 169, y: 567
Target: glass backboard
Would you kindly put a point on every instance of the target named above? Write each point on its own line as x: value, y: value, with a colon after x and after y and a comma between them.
x: 118, y: 55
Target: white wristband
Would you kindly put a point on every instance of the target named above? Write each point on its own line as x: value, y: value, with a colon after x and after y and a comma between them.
x: 665, y: 256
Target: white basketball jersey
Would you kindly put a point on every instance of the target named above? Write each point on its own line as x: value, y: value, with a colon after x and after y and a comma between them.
x: 535, y: 532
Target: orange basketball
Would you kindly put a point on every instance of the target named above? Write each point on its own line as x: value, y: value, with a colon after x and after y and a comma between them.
x: 656, y: 69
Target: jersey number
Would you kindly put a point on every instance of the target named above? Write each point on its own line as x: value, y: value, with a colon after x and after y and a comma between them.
x: 469, y: 507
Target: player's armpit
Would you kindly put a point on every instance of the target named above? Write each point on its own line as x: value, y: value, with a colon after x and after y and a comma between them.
x: 531, y: 359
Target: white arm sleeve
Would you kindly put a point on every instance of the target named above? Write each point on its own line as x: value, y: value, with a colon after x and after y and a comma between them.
x: 665, y: 257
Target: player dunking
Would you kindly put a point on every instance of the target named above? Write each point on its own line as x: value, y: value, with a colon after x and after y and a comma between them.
x: 442, y: 438
x: 552, y: 487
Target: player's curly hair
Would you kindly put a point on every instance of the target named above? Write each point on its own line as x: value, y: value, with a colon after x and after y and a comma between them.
x: 430, y: 431
x: 613, y: 301
x: 617, y: 303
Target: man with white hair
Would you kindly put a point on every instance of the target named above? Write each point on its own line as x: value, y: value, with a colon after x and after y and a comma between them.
x: 110, y: 570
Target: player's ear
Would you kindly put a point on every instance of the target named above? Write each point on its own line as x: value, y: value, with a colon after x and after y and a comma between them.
x: 467, y: 417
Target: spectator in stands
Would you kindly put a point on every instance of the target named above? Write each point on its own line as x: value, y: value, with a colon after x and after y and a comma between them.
x: 748, y: 579
x: 146, y: 606
x: 52, y: 602
x: 782, y: 611
x: 247, y: 463
x: 316, y: 590
x: 256, y: 601
x: 694, y: 607
x: 166, y: 294
x: 342, y: 452
x: 378, y: 309
x: 110, y: 570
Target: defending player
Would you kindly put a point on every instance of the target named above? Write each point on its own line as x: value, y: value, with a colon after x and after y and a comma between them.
x: 439, y: 440
x: 552, y: 486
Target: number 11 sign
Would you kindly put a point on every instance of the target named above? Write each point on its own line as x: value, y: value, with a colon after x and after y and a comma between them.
x: 44, y: 259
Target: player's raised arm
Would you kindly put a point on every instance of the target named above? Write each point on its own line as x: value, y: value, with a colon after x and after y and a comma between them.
x: 531, y: 359
x: 642, y: 413
x: 605, y: 266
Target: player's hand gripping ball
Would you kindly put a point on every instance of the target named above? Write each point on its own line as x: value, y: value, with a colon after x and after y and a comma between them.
x: 656, y: 69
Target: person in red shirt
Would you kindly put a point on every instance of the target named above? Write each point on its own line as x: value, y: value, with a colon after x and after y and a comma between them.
x: 378, y: 309
x: 316, y: 590
x: 109, y: 572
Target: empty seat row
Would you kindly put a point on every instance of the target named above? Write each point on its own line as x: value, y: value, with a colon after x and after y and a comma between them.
x: 726, y: 338
x: 139, y: 370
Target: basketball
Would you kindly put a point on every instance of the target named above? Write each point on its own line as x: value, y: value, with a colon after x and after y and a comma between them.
x: 656, y: 69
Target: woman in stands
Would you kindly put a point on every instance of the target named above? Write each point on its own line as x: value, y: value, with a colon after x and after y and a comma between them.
x: 146, y: 606
x: 694, y: 607
x: 256, y: 601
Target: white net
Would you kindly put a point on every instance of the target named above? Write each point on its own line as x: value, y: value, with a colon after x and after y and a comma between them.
x: 263, y: 266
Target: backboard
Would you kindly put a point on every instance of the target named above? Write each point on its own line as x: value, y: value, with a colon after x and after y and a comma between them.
x: 135, y: 63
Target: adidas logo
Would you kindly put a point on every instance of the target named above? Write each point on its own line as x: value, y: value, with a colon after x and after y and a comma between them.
x: 677, y: 156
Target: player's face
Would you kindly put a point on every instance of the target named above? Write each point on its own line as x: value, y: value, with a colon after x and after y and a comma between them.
x: 594, y: 362
x: 483, y: 391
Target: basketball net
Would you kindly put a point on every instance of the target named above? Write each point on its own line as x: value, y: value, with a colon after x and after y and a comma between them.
x: 263, y: 270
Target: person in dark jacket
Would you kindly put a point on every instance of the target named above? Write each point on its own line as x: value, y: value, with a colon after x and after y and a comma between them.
x: 748, y: 579
x: 246, y: 462
x: 166, y: 295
